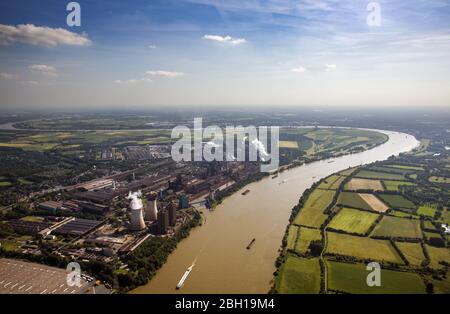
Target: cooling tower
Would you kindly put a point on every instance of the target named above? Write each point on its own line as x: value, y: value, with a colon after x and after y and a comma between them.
x: 151, y: 210
x: 137, y: 211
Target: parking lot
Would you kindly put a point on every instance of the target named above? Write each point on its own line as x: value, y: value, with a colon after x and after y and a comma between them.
x: 17, y: 277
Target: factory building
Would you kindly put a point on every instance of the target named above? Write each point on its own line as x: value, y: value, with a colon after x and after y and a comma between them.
x: 137, y: 211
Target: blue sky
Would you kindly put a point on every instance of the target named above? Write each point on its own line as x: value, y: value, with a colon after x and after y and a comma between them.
x: 228, y: 52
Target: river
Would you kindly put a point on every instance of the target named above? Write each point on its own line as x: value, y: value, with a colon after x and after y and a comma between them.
x: 222, y: 262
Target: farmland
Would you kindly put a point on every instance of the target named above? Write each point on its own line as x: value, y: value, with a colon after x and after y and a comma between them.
x: 364, y: 184
x: 395, y: 185
x: 353, y: 221
x: 368, y: 174
x: 398, y: 228
x: 311, y: 215
x: 353, y: 200
x: 374, y: 202
x: 351, y: 278
x: 361, y: 247
x: 413, y: 252
x: 435, y: 179
x: 397, y: 201
x: 306, y: 235
x: 427, y: 210
x: 300, y: 276
x: 332, y: 182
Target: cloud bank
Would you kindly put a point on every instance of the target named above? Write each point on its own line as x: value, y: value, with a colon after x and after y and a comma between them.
x: 40, y: 36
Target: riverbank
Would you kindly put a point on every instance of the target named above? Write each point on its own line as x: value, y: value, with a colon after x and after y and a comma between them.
x: 223, y: 263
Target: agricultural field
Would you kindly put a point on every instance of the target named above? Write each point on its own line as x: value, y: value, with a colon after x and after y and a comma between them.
x: 311, y: 215
x: 412, y: 251
x: 292, y: 237
x: 351, y: 278
x: 306, y: 236
x: 445, y: 218
x: 331, y: 183
x: 353, y: 221
x: 367, y: 174
x: 288, y: 144
x: 347, y: 172
x: 364, y: 184
x: 299, y: 276
x: 395, y: 185
x: 398, y: 213
x: 362, y: 248
x: 398, y: 185
x: 374, y: 202
x: 398, y: 227
x: 397, y: 201
x: 406, y: 167
x: 353, y: 200
x: 435, y: 179
x: 437, y: 255
x: 427, y: 210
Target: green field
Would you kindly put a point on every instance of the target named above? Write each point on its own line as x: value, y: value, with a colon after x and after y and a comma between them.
x: 299, y: 276
x: 352, y: 278
x: 367, y: 174
x: 397, y: 201
x: 406, y: 167
x: 362, y: 247
x: 401, y: 214
x: 311, y: 214
x: 435, y: 179
x: 347, y: 172
x: 306, y: 235
x: 5, y: 183
x: 349, y: 199
x: 353, y: 221
x: 394, y: 185
x: 446, y: 216
x: 331, y: 183
x: 437, y: 255
x: 398, y: 227
x: 412, y: 251
x: 427, y: 210
x: 292, y: 237
x: 428, y: 225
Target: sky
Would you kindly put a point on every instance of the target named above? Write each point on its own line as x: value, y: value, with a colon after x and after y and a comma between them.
x: 230, y: 53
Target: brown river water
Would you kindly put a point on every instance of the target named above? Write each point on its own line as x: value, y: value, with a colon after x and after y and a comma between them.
x: 218, y: 248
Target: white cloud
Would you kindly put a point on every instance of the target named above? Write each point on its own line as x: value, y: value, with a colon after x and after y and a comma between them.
x: 164, y: 73
x: 225, y: 39
x: 298, y: 70
x: 330, y: 67
x: 7, y: 76
x: 44, y: 69
x: 40, y: 35
x: 133, y: 81
x: 30, y: 82
x: 152, y: 46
